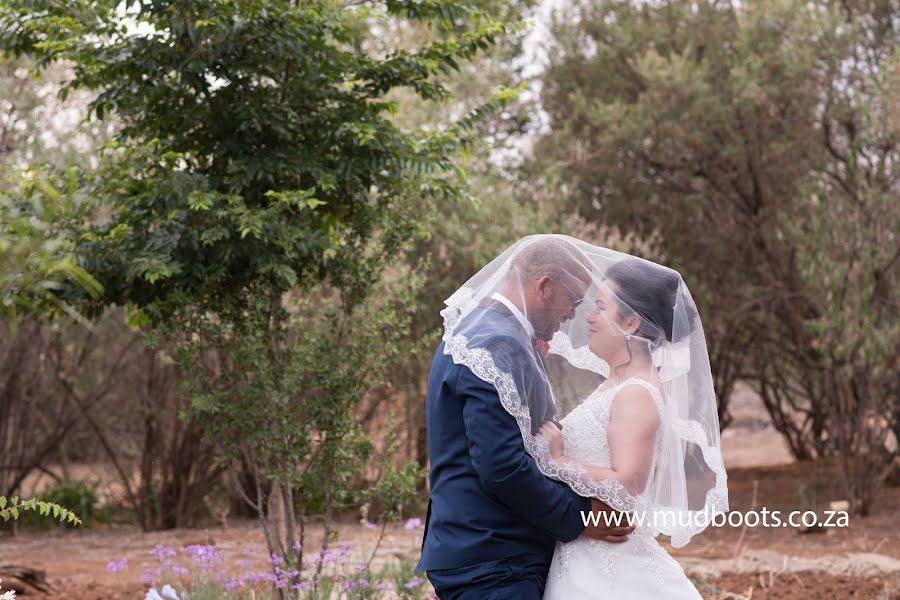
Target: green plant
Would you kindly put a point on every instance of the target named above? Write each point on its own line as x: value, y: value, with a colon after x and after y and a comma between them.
x: 13, y: 507
x: 37, y: 258
x: 79, y: 496
x: 407, y: 582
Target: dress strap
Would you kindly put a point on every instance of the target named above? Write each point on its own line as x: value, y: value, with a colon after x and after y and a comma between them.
x: 654, y: 391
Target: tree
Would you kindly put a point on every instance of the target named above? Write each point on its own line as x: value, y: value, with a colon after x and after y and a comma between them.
x: 845, y: 234
x: 254, y: 142
x: 708, y: 124
x: 35, y: 261
x: 257, y: 157
x: 695, y: 124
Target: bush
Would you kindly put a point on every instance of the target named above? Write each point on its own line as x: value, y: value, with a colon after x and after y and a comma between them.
x: 80, y: 497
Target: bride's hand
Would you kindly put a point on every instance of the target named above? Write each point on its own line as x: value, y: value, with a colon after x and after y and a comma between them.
x: 554, y: 437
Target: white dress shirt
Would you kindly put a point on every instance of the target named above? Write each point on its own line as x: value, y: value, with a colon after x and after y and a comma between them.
x: 515, y: 311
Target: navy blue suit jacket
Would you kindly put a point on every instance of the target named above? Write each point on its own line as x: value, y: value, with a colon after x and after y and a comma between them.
x: 489, y: 500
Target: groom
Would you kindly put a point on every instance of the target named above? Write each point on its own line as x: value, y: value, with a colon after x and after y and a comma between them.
x: 493, y: 517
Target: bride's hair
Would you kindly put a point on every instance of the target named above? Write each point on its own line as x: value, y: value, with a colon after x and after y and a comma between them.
x: 650, y: 291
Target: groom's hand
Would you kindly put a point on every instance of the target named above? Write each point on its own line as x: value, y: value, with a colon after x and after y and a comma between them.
x: 611, y: 533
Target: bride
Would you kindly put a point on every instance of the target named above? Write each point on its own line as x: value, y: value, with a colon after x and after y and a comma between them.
x: 624, y: 440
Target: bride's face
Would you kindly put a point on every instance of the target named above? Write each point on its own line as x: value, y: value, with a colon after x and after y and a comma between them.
x: 607, y: 327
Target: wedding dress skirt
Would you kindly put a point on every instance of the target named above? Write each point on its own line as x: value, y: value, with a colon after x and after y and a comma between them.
x: 587, y: 569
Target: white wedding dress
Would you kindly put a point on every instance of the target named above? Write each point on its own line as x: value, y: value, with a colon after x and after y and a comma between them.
x: 586, y: 569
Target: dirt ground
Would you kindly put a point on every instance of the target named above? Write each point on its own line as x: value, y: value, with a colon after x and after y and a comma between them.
x: 811, y: 585
x: 860, y: 561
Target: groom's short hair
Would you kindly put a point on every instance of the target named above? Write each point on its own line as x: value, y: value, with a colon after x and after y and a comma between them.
x: 554, y: 257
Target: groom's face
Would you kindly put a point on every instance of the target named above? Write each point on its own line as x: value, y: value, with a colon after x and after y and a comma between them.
x: 557, y: 298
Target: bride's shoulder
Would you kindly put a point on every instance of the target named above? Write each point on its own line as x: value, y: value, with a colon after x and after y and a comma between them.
x: 637, y: 396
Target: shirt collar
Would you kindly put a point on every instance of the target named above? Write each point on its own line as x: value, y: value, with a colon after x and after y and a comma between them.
x: 515, y: 311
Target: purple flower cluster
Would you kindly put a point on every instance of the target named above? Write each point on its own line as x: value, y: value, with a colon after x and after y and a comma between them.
x: 163, y: 553
x: 207, y: 557
x: 352, y: 585
x: 117, y: 566
x: 278, y: 572
x: 278, y: 576
x: 333, y: 556
x: 168, y: 564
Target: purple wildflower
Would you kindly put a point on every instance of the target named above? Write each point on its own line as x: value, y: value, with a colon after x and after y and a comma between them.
x: 117, y: 566
x: 163, y: 552
x: 174, y: 567
x: 208, y: 557
x: 150, y: 576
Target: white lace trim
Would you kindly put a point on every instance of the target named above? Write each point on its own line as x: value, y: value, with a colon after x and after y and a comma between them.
x: 581, y: 357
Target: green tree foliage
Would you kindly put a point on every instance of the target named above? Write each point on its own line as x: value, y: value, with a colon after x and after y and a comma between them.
x: 845, y: 233
x: 258, y: 189
x: 41, y: 210
x: 255, y: 143
x: 697, y: 124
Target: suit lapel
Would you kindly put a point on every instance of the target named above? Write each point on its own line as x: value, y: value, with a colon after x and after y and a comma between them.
x: 540, y: 405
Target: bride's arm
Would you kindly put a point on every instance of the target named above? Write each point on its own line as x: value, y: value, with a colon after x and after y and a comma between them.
x: 633, y: 422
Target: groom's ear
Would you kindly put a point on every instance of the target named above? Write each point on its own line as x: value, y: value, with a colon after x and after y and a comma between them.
x: 544, y: 289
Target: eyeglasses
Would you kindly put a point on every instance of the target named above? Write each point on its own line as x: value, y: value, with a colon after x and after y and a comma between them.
x: 574, y: 298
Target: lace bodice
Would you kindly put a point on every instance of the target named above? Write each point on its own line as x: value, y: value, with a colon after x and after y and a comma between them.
x: 585, y: 428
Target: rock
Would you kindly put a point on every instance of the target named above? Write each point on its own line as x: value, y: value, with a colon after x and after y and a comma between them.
x: 24, y: 580
x: 859, y: 564
x: 868, y: 563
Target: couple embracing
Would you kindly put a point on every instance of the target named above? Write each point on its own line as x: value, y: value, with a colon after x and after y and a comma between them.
x: 571, y: 420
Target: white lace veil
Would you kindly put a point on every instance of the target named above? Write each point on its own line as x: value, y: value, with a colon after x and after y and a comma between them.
x: 609, y: 347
